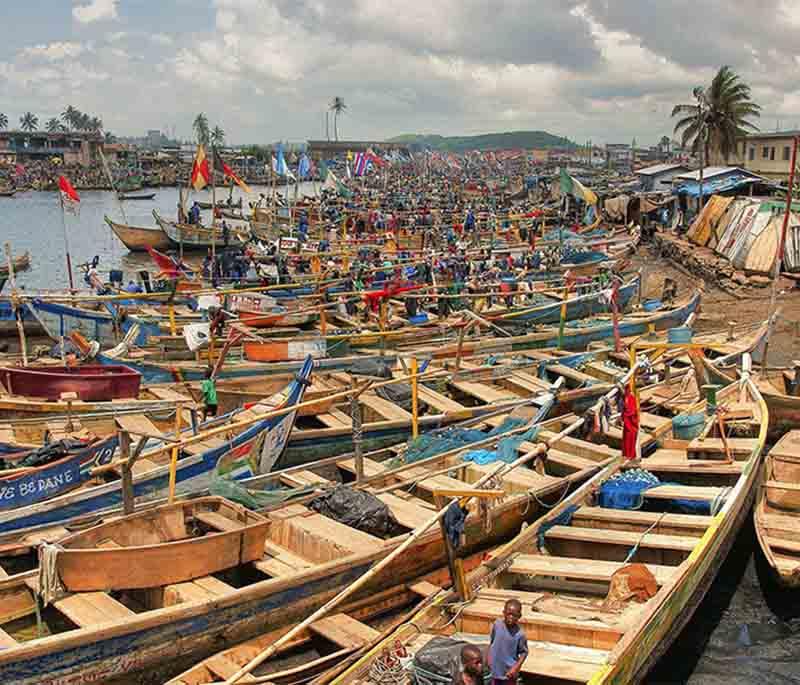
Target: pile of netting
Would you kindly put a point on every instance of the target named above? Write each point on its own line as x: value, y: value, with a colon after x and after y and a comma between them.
x: 252, y: 498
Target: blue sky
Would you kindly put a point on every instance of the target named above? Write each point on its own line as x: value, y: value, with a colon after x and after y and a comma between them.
x: 266, y: 69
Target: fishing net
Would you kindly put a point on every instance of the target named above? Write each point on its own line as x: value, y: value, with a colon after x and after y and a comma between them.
x: 252, y: 498
x: 357, y: 509
x: 507, y: 449
x: 444, y: 440
x: 626, y: 491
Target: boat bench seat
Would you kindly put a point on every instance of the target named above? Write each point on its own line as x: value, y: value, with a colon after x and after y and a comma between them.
x: 88, y: 609
x: 197, y: 590
x: 691, y: 492
x: 742, y: 446
x: 441, y: 482
x: 279, y: 561
x: 579, y: 569
x: 217, y: 521
x: 332, y: 421
x: 787, y: 524
x: 621, y: 537
x: 783, y: 543
x: 344, y: 630
x: 519, y: 480
x: 321, y: 539
x: 408, y: 513
x: 565, y: 459
x: 6, y: 641
x: 689, y: 524
x: 439, y: 402
x: 371, y: 467
x: 478, y: 616
x: 303, y: 478
x: 387, y: 410
x: 581, y: 448
x: 484, y: 392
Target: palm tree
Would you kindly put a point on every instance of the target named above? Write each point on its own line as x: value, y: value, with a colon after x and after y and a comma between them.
x: 721, y: 116
x: 29, y: 122
x: 3, y: 121
x: 83, y: 122
x: 337, y: 107
x: 70, y: 116
x: 53, y: 125
x: 218, y: 137
x: 95, y: 124
x: 200, y: 127
x: 110, y: 137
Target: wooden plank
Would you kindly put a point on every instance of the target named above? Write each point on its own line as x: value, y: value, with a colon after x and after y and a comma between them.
x: 424, y: 589
x: 303, y: 478
x: 6, y: 641
x: 388, y: 410
x: 86, y: 609
x: 691, y: 492
x: 222, y: 667
x: 407, y: 513
x: 217, y: 521
x: 371, y: 467
x: 643, y: 519
x: 580, y: 569
x: 621, y: 537
x: 484, y: 392
x: 139, y: 425
x: 344, y: 631
x: 332, y: 421
x: 742, y: 446
x: 439, y: 402
x: 784, y: 544
x: 560, y: 666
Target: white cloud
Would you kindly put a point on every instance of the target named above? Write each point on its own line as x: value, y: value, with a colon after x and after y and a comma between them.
x: 96, y: 10
x: 161, y: 39
x: 53, y: 52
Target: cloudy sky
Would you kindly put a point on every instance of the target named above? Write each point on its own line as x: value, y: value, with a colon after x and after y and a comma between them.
x: 605, y: 70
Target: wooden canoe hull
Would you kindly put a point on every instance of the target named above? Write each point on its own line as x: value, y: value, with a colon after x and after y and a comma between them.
x: 86, y: 564
x: 284, y: 350
x: 138, y: 239
x: 91, y: 383
x: 195, y: 630
x: 271, y: 320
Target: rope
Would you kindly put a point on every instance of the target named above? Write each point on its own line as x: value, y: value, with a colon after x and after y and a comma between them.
x: 50, y: 586
x: 719, y: 501
x: 635, y: 548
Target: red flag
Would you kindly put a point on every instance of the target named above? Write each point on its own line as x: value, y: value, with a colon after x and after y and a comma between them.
x: 201, y: 173
x: 69, y: 198
x: 219, y: 163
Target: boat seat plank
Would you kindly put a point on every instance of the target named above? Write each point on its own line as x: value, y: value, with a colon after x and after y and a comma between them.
x: 784, y: 544
x: 565, y: 459
x: 441, y: 482
x: 138, y: 425
x: 519, y: 480
x: 645, y: 519
x: 782, y: 485
x: 344, y: 631
x: 558, y: 665
x: 217, y: 521
x: 286, y: 556
x: 86, y: 609
x: 787, y: 523
x: 439, y: 402
x: 332, y: 421
x: 572, y: 374
x: 371, y: 467
x: 388, y: 410
x: 222, y: 667
x: 164, y: 393
x: 197, y: 590
x: 407, y: 513
x: 735, y: 445
x: 208, y: 444
x: 484, y: 392
x: 581, y: 448
x: 6, y: 641
x: 423, y: 588
x: 303, y: 478
x: 691, y: 492
x: 622, y: 537
x: 580, y: 569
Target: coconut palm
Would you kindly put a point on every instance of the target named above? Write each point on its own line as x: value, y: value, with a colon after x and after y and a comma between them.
x: 337, y: 107
x: 721, y: 117
x: 200, y: 127
x: 53, y: 125
x: 70, y: 117
x: 29, y: 122
x: 3, y: 121
x: 218, y: 137
x: 95, y: 124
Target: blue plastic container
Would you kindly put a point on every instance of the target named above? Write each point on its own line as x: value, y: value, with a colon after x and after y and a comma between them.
x: 680, y: 335
x: 652, y: 305
x: 688, y: 426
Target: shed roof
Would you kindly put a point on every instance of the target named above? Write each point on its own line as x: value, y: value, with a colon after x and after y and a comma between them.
x: 660, y: 169
x: 715, y: 171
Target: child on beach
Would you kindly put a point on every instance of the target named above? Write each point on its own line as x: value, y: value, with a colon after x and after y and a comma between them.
x: 508, y: 646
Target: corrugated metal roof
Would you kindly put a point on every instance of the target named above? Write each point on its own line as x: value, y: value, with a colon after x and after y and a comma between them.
x: 713, y: 171
x: 659, y: 169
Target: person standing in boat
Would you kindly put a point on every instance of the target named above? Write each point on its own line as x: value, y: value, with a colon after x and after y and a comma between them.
x: 208, y: 388
x: 508, y: 646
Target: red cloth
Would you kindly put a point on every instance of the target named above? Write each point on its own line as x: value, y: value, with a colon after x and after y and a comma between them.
x: 67, y: 191
x: 630, y: 425
x: 373, y: 297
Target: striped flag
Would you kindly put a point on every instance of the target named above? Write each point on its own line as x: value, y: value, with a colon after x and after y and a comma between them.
x: 219, y: 163
x: 201, y: 172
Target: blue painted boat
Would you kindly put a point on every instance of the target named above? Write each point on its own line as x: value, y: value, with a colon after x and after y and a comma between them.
x: 254, y: 450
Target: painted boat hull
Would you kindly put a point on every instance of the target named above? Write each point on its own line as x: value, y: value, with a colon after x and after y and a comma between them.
x: 91, y: 383
x: 138, y: 239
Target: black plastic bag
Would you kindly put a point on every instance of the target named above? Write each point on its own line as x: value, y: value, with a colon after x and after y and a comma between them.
x: 439, y: 661
x: 358, y: 509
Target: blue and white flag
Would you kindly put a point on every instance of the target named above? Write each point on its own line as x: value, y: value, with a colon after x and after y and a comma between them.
x: 279, y: 165
x: 303, y: 166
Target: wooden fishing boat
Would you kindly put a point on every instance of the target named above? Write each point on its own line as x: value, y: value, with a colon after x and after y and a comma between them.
x: 8, y: 193
x: 89, y: 382
x: 2, y: 283
x: 221, y: 204
x: 605, y: 589
x: 136, y: 196
x: 777, y: 510
x: 138, y: 239
x: 250, y: 449
x: 193, y: 236
x: 21, y: 263
x: 173, y: 543
x: 307, y: 556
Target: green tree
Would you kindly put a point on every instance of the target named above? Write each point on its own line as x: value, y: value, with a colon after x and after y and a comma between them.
x: 95, y: 124
x: 200, y: 127
x: 337, y: 106
x: 3, y: 121
x: 29, y: 122
x: 723, y: 114
x: 53, y: 125
x: 70, y: 116
x: 218, y: 137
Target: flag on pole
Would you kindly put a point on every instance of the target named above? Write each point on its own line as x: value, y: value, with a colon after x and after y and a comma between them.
x: 219, y: 163
x: 360, y: 164
x: 279, y: 165
x: 333, y: 183
x: 69, y: 198
x: 304, y: 166
x: 570, y: 184
x: 201, y: 172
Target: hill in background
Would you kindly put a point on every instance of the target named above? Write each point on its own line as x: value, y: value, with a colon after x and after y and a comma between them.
x: 488, y: 141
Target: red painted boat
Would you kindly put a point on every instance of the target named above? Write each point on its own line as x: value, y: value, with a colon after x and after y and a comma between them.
x: 92, y: 382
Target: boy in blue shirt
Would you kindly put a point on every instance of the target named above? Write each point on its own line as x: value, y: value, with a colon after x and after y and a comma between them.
x: 508, y: 646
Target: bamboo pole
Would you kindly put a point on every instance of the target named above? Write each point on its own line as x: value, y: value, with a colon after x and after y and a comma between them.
x: 414, y: 399
x: 173, y: 466
x: 23, y: 343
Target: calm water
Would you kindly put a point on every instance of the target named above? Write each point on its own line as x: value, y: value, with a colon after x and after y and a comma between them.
x: 32, y: 221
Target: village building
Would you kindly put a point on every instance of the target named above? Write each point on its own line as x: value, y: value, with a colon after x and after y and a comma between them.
x: 659, y: 176
x: 72, y: 147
